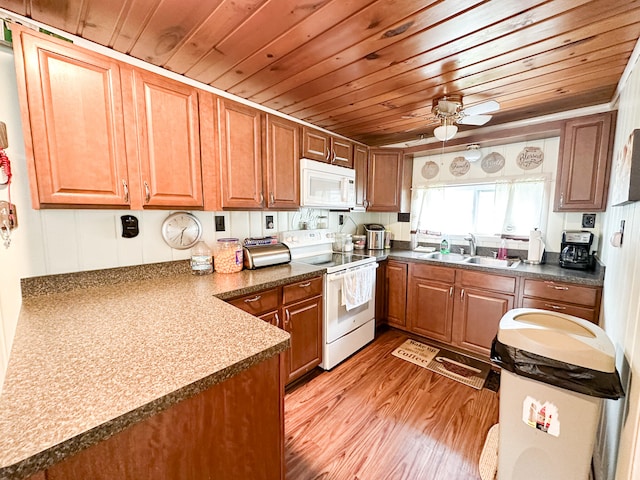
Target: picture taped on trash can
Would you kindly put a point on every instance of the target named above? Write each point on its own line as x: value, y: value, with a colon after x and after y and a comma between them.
x: 542, y: 416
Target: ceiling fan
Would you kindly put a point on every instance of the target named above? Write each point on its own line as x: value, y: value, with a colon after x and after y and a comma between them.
x: 449, y: 110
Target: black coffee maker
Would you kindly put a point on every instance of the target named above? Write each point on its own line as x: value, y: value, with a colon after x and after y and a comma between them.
x: 575, y: 250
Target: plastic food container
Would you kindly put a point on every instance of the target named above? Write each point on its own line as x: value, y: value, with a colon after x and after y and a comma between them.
x: 228, y: 257
x: 359, y: 242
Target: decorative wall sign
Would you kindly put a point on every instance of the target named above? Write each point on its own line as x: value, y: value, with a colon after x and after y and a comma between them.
x: 430, y: 170
x: 459, y: 166
x: 492, y: 162
x: 530, y: 158
x: 627, y: 172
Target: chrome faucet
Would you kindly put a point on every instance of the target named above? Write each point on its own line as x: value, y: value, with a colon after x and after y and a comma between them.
x: 472, y: 243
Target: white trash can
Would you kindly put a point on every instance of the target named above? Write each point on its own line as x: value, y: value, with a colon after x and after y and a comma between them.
x: 556, y: 369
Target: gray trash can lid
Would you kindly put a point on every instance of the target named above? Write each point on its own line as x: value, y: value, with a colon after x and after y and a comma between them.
x: 558, y: 336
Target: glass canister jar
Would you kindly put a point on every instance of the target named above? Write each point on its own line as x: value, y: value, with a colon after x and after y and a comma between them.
x: 228, y: 256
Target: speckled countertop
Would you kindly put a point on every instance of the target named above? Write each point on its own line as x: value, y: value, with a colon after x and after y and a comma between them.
x: 95, y: 352
x: 547, y: 271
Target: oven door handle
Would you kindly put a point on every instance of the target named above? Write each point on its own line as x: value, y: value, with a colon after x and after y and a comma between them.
x: 338, y: 275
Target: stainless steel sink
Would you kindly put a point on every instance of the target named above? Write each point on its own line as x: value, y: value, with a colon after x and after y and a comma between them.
x: 473, y: 260
x: 493, y: 262
x: 445, y: 257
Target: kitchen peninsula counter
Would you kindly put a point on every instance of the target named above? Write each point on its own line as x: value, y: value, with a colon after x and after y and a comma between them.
x: 97, y: 352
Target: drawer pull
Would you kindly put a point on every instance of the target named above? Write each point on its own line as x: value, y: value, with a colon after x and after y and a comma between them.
x: 555, y: 307
x: 253, y: 299
x: 557, y: 287
x: 462, y: 295
x: 305, y: 285
x: 451, y: 291
x: 277, y: 320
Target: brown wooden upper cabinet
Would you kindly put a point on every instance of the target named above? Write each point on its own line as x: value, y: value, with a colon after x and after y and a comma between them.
x: 584, y: 164
x: 360, y: 164
x: 317, y: 145
x: 384, y: 185
x: 72, y: 116
x: 257, y: 174
x: 168, y: 141
x: 102, y: 133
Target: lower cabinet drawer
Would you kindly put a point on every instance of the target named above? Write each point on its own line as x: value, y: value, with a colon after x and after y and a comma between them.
x: 301, y: 290
x: 563, y: 292
x: 576, y: 311
x: 259, y: 303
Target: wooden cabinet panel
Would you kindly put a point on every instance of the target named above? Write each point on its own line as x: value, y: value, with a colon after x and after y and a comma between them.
x: 381, y: 293
x: 584, y: 164
x: 240, y: 155
x: 282, y: 164
x: 233, y: 430
x: 301, y: 290
x: 564, y: 292
x: 499, y: 283
x: 167, y: 118
x: 342, y: 152
x: 477, y: 317
x: 316, y: 145
x: 430, y: 311
x: 560, y: 307
x: 396, y: 287
x: 384, y: 180
x: 273, y: 318
x: 303, y: 320
x: 360, y: 161
x: 434, y: 273
x: 259, y: 303
x: 72, y: 116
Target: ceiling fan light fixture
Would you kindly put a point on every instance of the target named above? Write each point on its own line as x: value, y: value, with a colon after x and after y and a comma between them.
x: 445, y: 132
x: 473, y: 153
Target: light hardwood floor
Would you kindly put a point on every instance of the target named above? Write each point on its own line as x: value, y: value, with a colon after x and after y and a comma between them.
x: 377, y: 417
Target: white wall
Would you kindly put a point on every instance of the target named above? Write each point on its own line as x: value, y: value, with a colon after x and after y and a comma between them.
x: 557, y: 222
x: 621, y: 312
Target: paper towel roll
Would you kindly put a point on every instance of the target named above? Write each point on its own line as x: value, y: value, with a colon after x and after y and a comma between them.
x: 536, y: 247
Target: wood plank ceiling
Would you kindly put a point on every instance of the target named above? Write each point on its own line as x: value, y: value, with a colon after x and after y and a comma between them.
x: 369, y: 69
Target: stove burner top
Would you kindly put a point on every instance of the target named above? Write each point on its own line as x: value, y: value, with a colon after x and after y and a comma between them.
x: 336, y: 261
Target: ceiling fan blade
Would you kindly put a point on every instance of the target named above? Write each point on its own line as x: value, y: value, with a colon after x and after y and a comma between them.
x: 482, y: 108
x: 476, y: 120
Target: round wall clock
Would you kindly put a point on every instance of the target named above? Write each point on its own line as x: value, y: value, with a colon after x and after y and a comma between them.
x: 181, y: 230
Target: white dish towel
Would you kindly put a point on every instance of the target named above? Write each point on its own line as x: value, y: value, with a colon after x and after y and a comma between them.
x: 357, y: 287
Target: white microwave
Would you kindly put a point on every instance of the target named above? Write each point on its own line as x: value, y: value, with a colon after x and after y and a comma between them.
x: 323, y: 185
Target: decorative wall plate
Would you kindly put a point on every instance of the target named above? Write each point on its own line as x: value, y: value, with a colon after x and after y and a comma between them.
x: 492, y: 162
x: 459, y: 166
x: 530, y: 158
x: 430, y: 170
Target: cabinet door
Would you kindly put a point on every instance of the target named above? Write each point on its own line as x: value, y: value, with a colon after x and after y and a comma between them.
x: 430, y: 308
x: 282, y: 163
x: 169, y: 141
x: 584, y: 164
x: 384, y: 180
x: 477, y: 316
x: 341, y: 152
x: 360, y: 159
x: 316, y: 145
x: 396, y: 287
x: 72, y: 115
x: 259, y: 303
x: 273, y: 318
x: 381, y: 293
x: 240, y: 155
x: 303, y: 321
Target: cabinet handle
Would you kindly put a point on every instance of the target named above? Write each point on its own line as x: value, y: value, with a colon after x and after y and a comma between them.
x: 557, y: 287
x: 261, y: 198
x: 328, y: 155
x: 147, y: 192
x: 271, y: 198
x: 562, y: 199
x: 277, y: 320
x: 451, y: 291
x: 304, y: 285
x: 287, y: 318
x: 254, y: 299
x: 462, y: 295
x: 555, y: 307
x: 126, y: 191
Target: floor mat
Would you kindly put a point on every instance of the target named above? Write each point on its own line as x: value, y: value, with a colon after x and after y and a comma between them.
x: 455, y: 366
x: 489, y: 456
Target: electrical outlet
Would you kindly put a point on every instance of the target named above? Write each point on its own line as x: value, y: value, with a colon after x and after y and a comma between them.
x: 219, y: 223
x: 340, y: 219
x: 268, y: 222
x: 588, y: 220
x: 404, y: 217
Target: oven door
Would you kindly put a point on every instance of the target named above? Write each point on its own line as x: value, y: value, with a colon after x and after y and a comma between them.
x: 338, y: 321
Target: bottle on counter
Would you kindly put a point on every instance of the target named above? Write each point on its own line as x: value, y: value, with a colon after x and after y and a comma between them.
x: 444, y: 245
x: 502, y: 251
x: 228, y: 255
x: 201, y: 259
